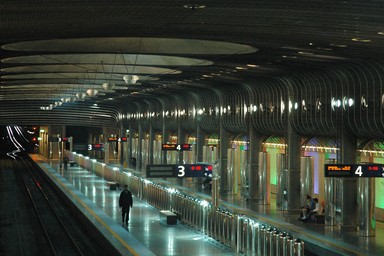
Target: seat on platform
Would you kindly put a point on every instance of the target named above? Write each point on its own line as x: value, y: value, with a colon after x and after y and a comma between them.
x: 169, y: 217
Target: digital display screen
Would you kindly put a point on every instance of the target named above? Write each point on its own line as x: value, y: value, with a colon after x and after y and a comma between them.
x: 354, y: 170
x: 98, y: 146
x: 177, y: 170
x: 112, y: 139
x: 179, y: 147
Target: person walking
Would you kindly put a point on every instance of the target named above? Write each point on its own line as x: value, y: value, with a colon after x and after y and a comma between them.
x: 125, y: 203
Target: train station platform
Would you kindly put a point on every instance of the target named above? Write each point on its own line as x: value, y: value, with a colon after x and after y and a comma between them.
x: 146, y: 232
x: 162, y: 239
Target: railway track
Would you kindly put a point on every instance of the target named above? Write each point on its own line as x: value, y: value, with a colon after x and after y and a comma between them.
x: 60, y: 240
x: 47, y: 222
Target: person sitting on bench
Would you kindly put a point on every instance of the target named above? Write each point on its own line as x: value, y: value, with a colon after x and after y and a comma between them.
x: 318, y: 210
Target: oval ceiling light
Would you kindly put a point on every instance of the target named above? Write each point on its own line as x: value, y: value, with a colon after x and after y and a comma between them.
x: 115, y: 45
x: 194, y: 6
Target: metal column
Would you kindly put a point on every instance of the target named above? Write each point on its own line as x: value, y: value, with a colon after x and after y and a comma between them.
x: 366, y: 203
x: 330, y: 197
x: 281, y: 185
x: 306, y: 178
x: 264, y: 181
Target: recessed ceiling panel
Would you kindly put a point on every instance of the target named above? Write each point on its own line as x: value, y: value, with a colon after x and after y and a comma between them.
x: 111, y: 59
x: 133, y: 45
x: 91, y: 68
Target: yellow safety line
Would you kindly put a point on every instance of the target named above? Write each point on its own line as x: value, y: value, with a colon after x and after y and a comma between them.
x: 130, y: 249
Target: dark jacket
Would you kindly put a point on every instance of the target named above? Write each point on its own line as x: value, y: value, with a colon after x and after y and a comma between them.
x: 125, y: 199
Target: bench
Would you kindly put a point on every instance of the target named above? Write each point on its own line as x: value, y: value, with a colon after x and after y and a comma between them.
x: 319, y: 218
x: 113, y: 185
x: 169, y: 217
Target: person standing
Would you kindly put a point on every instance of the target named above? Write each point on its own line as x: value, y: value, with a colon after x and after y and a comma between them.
x: 125, y: 203
x: 65, y: 160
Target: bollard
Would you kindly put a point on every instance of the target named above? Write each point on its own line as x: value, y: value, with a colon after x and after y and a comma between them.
x: 227, y: 227
x: 272, y: 241
x: 216, y: 224
x: 193, y: 217
x: 210, y: 221
x: 221, y: 216
x: 234, y: 231
x: 290, y: 244
x: 298, y: 248
x: 267, y: 241
x: 224, y: 226
x: 244, y: 237
x: 258, y: 239
x: 248, y: 237
x: 189, y: 211
x: 239, y: 221
x: 277, y: 242
x: 205, y: 220
x: 254, y: 228
x: 200, y: 215
x: 283, y: 248
x: 262, y: 240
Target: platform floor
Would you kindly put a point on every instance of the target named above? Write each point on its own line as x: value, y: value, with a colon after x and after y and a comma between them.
x: 329, y: 237
x: 145, y: 224
x: 163, y: 239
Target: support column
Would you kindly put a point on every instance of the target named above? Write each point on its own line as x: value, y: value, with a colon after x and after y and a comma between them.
x: 139, y: 160
x: 121, y: 145
x: 349, y: 208
x: 165, y: 138
x: 106, y: 145
x: 181, y: 135
x: 255, y: 147
x: 130, y: 141
x: 201, y: 134
x: 151, y: 139
x: 294, y: 154
x: 223, y: 158
x: 50, y: 143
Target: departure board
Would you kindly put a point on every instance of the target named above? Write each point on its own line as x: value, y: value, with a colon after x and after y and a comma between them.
x: 177, y: 170
x: 354, y: 170
x: 178, y: 147
x: 97, y: 147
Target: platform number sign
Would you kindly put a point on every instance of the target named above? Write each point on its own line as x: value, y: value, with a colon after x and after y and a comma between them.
x: 98, y: 146
x: 354, y: 170
x: 181, y: 171
x: 359, y: 171
x: 177, y: 170
x: 177, y: 147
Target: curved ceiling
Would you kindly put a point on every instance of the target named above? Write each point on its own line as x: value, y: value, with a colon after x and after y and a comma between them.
x: 60, y: 58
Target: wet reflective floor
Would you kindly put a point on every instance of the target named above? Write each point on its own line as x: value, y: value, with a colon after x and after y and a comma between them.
x: 145, y: 224
x: 163, y: 239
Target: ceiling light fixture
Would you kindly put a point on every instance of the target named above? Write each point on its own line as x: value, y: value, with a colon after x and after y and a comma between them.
x: 194, y: 6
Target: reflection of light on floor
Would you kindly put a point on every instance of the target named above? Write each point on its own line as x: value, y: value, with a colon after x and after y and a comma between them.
x: 171, y: 242
x: 94, y: 192
x: 115, y: 209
